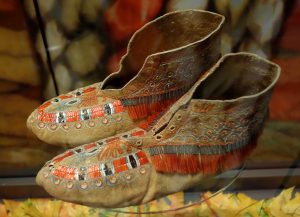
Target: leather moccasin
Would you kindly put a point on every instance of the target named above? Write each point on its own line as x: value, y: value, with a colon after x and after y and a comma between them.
x: 210, y: 129
x: 164, y: 60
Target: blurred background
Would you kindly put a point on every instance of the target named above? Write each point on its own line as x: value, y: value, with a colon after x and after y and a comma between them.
x: 87, y: 38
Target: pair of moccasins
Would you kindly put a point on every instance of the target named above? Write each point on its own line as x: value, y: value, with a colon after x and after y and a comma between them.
x: 173, y: 114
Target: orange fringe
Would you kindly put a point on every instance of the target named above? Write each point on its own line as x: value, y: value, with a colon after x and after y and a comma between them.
x: 207, y: 164
x: 145, y: 110
x: 145, y: 125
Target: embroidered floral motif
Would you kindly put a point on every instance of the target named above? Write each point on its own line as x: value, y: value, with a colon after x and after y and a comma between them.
x: 109, y: 169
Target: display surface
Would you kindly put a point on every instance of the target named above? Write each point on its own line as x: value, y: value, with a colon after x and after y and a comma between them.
x: 222, y: 204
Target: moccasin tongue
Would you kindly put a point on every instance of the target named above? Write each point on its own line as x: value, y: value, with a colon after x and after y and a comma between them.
x: 164, y: 120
